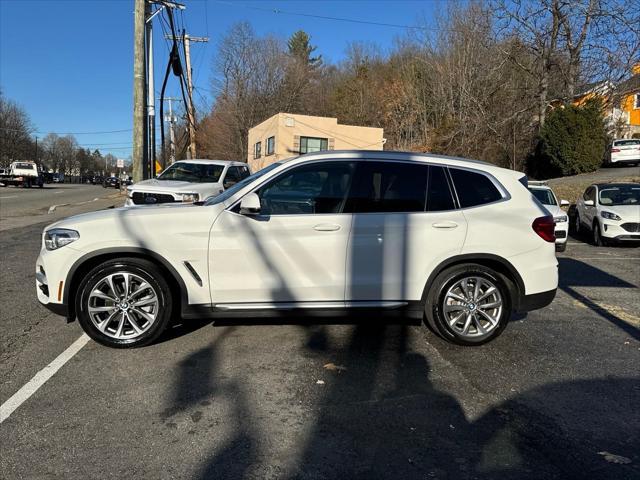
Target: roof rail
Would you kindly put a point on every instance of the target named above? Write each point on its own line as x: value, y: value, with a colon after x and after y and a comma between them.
x: 541, y: 183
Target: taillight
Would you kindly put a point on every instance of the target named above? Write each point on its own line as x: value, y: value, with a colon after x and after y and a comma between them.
x: 545, y: 228
x: 615, y: 150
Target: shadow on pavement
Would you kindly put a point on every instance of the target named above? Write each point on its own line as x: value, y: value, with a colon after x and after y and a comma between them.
x: 574, y: 273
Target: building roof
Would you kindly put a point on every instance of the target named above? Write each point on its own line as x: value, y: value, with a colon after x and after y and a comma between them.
x: 629, y: 85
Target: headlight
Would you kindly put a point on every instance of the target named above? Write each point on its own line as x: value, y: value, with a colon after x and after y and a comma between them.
x: 190, y: 197
x: 610, y: 216
x: 59, y: 237
x: 560, y: 219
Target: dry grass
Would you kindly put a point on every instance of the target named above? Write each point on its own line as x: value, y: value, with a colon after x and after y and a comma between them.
x: 571, y: 190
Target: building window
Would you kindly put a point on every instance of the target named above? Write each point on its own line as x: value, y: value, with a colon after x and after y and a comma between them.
x: 257, y: 150
x: 271, y: 145
x: 637, y: 102
x: 312, y: 144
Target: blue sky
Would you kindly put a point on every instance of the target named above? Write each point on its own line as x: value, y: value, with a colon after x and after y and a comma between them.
x: 69, y: 63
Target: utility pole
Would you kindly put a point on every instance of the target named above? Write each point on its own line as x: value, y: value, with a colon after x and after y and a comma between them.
x: 139, y: 153
x: 191, y: 113
x: 172, y: 136
x: 151, y: 104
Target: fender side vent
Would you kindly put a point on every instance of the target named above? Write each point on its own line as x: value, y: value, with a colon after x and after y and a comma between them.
x: 193, y: 273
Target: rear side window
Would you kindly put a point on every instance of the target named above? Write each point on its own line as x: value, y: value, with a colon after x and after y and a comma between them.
x: 386, y: 187
x: 473, y: 188
x: 439, y: 196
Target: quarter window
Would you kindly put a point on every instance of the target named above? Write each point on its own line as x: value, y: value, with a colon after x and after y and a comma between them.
x: 309, y: 189
x: 271, y: 145
x: 439, y: 196
x: 257, y: 150
x: 388, y: 187
x: 473, y: 188
x: 312, y: 144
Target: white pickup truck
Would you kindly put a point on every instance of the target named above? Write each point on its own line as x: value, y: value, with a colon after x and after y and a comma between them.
x: 22, y: 174
x: 187, y: 181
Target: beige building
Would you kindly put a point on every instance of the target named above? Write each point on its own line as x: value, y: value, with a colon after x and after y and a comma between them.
x: 287, y: 135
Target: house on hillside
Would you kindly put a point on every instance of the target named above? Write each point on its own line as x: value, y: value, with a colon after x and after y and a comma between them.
x: 286, y: 135
x: 621, y: 101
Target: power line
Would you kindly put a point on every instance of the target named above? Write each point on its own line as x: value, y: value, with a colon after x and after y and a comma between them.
x: 324, y: 17
x: 71, y: 133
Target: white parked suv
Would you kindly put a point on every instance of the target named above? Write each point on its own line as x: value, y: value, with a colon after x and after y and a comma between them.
x: 609, y: 212
x: 187, y: 181
x: 459, y: 242
x: 623, y: 151
x: 546, y: 197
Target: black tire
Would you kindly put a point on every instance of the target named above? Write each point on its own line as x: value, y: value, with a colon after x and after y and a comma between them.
x: 561, y: 247
x: 597, y: 239
x: 436, y: 296
x: 146, y: 270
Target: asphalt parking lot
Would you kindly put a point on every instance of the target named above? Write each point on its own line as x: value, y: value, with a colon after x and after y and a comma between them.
x: 556, y: 396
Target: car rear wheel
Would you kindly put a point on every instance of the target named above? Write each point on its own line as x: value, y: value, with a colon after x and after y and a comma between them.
x: 469, y: 304
x: 124, y: 303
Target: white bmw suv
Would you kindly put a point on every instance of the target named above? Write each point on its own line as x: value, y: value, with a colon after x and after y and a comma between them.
x: 460, y: 243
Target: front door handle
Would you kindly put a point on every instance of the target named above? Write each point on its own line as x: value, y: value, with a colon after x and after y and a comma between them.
x: 326, y: 227
x: 444, y: 225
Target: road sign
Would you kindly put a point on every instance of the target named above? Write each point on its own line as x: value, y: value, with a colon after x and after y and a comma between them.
x: 120, y: 163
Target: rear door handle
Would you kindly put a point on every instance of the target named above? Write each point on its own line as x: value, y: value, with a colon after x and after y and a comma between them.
x: 444, y: 225
x: 326, y: 227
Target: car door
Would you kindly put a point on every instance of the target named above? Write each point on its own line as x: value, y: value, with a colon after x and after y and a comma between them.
x: 404, y: 225
x: 294, y: 250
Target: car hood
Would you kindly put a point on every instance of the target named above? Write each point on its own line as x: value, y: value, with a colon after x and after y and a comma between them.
x: 629, y: 213
x: 173, y: 186
x: 145, y: 227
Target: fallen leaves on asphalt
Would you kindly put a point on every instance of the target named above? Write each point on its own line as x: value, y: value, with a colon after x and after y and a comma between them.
x: 612, y: 458
x: 335, y: 368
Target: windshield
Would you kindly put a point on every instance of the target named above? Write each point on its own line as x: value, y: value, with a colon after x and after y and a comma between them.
x: 544, y: 196
x: 623, y: 195
x: 192, y: 172
x: 229, y: 192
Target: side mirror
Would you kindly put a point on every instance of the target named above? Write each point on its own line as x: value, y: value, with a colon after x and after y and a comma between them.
x: 250, y: 204
x: 564, y: 203
x: 588, y: 203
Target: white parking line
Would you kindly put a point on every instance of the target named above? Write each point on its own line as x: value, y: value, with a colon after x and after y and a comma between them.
x: 40, y: 378
x: 10, y: 196
x: 604, y: 258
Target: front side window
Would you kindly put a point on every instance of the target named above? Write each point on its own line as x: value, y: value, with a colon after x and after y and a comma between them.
x: 310, y: 189
x: 271, y: 145
x: 620, y: 195
x: 257, y: 150
x: 192, y: 172
x: 313, y: 144
x: 388, y: 187
x: 232, y: 176
x: 544, y: 196
x: 473, y: 188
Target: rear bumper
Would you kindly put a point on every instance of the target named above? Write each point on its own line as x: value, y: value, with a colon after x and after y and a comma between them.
x: 536, y: 301
x: 622, y: 161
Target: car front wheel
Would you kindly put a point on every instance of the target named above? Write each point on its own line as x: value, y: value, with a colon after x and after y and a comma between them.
x: 598, y: 240
x: 468, y: 304
x: 124, y: 303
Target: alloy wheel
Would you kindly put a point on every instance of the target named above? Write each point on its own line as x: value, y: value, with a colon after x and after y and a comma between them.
x: 472, y: 307
x: 123, y: 305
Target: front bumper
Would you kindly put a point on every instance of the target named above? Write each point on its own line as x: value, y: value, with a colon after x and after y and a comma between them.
x: 51, y: 277
x: 615, y: 231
